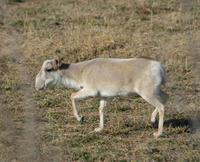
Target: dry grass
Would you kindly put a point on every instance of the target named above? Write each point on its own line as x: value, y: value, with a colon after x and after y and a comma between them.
x: 80, y: 30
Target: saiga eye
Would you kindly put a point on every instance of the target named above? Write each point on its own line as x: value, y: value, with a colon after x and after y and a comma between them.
x: 49, y: 70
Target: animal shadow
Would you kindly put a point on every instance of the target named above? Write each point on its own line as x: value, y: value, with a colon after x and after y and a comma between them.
x: 192, y: 124
x: 180, y: 122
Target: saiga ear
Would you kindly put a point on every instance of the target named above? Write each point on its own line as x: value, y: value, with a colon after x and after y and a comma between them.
x: 57, y: 63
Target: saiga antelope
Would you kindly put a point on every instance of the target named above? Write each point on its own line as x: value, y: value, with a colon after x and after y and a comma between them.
x: 108, y: 77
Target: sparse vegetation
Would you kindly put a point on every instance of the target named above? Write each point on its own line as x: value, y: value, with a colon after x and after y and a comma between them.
x: 80, y: 30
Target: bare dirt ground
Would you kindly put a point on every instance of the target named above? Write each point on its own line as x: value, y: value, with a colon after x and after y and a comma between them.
x: 22, y: 137
x: 39, y: 126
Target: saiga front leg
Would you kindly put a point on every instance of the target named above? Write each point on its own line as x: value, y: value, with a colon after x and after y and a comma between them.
x: 84, y: 93
x: 101, y: 115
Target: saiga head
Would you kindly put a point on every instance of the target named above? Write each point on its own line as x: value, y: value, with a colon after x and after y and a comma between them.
x: 48, y: 74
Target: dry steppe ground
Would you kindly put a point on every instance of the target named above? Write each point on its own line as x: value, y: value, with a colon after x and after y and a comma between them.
x: 40, y: 126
